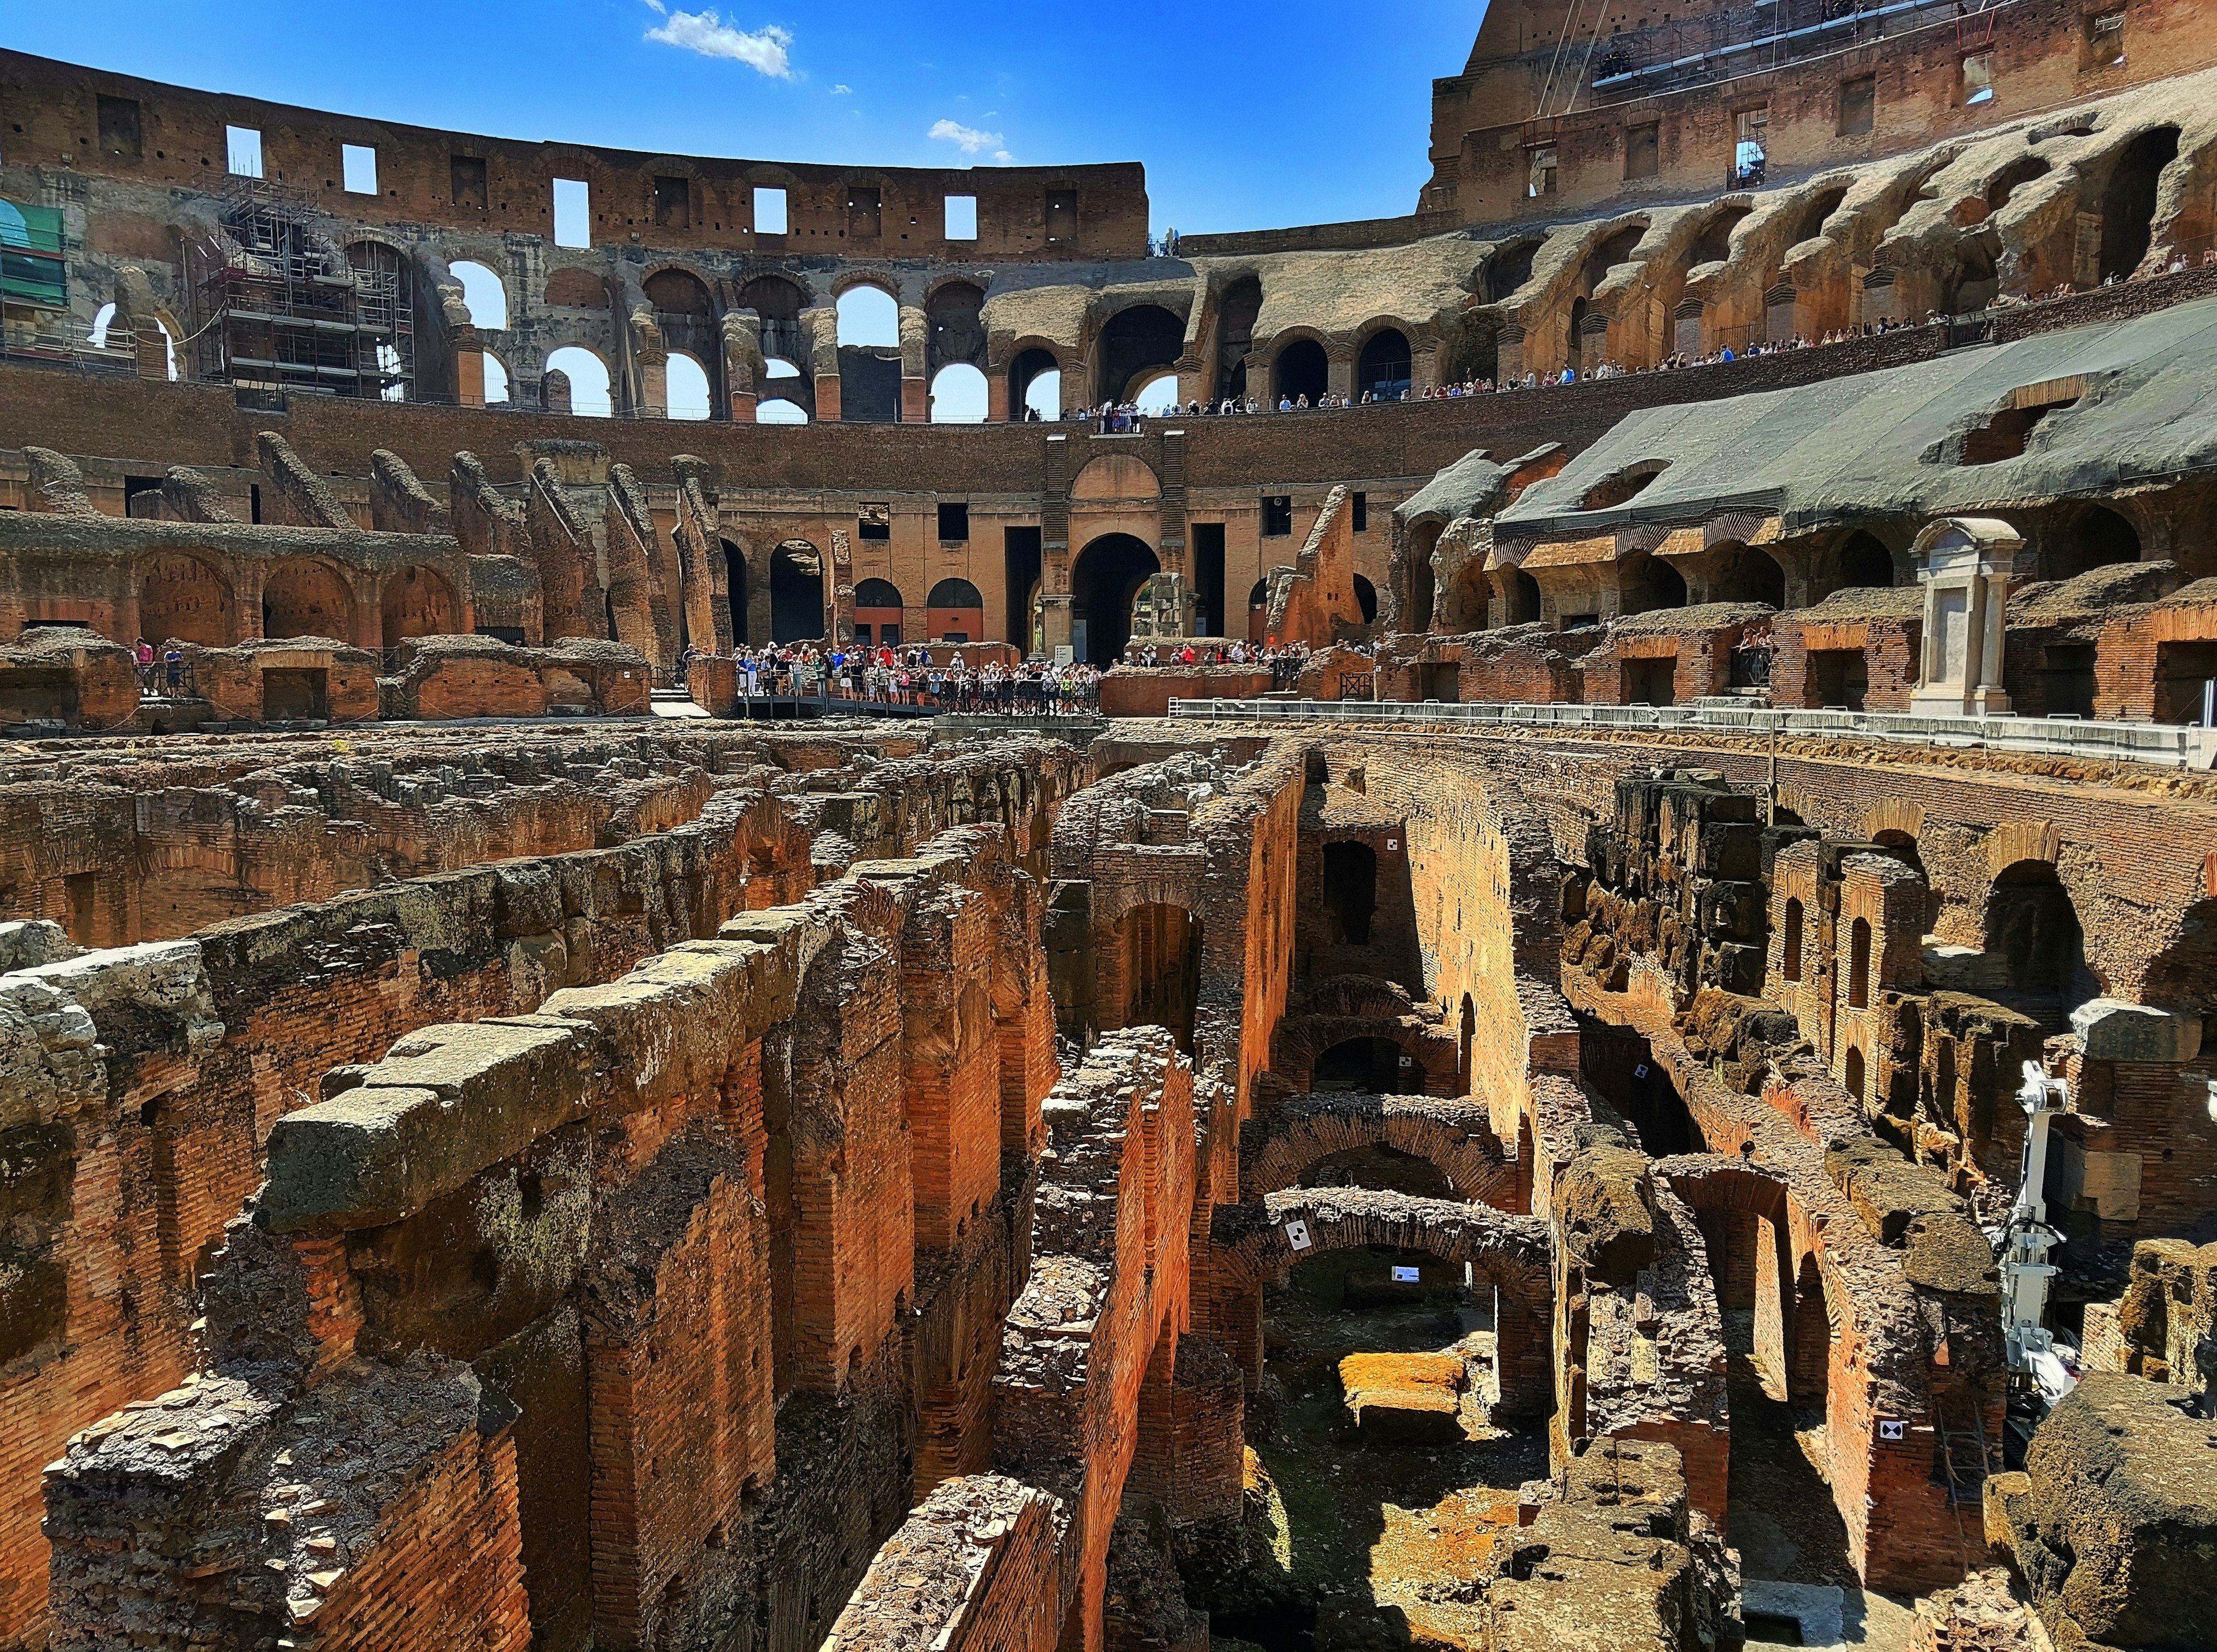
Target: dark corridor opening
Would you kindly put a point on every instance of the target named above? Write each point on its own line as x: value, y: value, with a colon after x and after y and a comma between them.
x: 1362, y: 1066
x: 1350, y: 890
x: 1107, y: 576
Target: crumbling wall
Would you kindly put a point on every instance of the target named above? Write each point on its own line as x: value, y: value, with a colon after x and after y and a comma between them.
x: 611, y: 1178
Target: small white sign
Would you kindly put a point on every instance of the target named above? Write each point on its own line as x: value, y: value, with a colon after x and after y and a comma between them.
x: 1297, y: 1235
x: 1392, y: 843
x: 1404, y: 1275
x: 1893, y: 1428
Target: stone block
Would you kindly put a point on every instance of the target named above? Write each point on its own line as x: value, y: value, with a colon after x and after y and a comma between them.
x: 2111, y: 1029
x: 1964, y: 968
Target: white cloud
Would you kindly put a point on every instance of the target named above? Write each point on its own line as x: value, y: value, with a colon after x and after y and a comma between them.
x: 842, y: 89
x: 765, y: 50
x: 968, y: 139
x: 1001, y: 158
x: 658, y: 8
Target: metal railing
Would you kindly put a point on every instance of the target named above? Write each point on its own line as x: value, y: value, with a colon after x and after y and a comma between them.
x: 168, y: 680
x: 2162, y: 743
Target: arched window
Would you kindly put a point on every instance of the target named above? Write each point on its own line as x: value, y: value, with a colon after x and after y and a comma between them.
x: 869, y: 316
x: 588, y: 380
x: 484, y: 295
x: 1855, y: 1074
x: 687, y: 387
x: 1859, y: 948
x: 955, y: 612
x: 98, y: 337
x: 958, y: 395
x: 1159, y: 395
x: 778, y: 411
x: 1035, y: 385
x: 1366, y: 599
x: 1790, y: 962
x: 877, y: 613
x: 496, y: 381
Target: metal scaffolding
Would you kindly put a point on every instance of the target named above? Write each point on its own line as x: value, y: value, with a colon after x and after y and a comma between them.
x: 283, y: 308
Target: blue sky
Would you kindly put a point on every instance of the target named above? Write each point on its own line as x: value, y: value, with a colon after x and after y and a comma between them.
x: 1247, y: 116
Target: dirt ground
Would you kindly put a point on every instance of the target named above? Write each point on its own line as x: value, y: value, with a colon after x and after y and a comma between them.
x: 1356, y: 1543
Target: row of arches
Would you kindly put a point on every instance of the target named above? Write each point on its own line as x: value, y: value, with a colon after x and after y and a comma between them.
x: 182, y: 597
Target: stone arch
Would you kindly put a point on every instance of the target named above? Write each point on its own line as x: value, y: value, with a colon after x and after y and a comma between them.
x: 1255, y: 1241
x: 418, y: 602
x: 1135, y: 344
x: 1104, y: 578
x: 1299, y: 366
x: 1746, y: 574
x: 2129, y: 199
x: 953, y: 311
x: 187, y: 597
x: 2031, y: 921
x: 1030, y: 362
x: 1385, y: 359
x: 306, y: 597
x: 779, y: 302
x: 1115, y: 476
x: 1300, y: 1040
x: 1454, y: 1137
x: 1863, y: 560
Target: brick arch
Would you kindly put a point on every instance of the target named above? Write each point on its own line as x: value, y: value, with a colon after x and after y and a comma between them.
x: 1250, y: 1243
x: 1456, y: 1137
x: 188, y: 596
x: 1300, y: 1040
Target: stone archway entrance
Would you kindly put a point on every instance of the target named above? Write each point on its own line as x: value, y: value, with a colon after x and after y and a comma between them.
x: 1105, y: 578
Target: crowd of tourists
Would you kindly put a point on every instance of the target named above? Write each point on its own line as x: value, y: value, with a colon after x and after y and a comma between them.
x: 1285, y: 660
x: 886, y: 675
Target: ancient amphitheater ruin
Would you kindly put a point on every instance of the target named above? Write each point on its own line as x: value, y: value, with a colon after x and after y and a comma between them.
x: 1600, y: 1036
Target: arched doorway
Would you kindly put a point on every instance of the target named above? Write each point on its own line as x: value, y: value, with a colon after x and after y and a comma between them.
x: 1747, y: 573
x: 1258, y: 610
x: 1236, y: 315
x: 954, y: 612
x: 796, y: 592
x: 869, y: 356
x: 306, y: 599
x: 1104, y: 580
x: 587, y: 376
x: 1382, y: 372
x: 878, y: 609
x: 1650, y: 582
x: 1302, y: 370
x: 2099, y: 539
x: 2030, y: 921
x: 1366, y: 600
x: 1866, y: 562
x: 1035, y: 386
x: 417, y: 602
